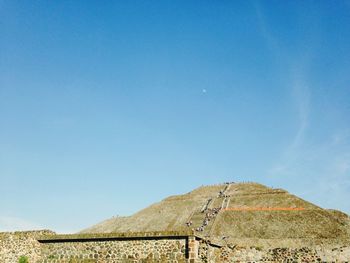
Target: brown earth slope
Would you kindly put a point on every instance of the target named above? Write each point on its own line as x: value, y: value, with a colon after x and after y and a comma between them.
x: 235, y: 211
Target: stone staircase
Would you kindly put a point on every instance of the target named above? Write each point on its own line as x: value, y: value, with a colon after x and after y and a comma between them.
x: 203, y: 219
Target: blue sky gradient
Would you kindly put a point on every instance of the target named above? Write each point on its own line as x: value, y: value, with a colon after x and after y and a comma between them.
x: 107, y: 107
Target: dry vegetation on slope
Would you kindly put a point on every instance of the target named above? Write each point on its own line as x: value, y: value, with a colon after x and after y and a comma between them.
x: 172, y: 214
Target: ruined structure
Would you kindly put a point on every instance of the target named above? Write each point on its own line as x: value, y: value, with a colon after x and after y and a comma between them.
x: 245, y: 222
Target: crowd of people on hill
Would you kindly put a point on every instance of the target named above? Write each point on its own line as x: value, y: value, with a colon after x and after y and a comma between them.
x: 210, y: 213
x: 222, y: 194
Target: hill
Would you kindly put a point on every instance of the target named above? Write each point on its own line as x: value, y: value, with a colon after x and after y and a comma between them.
x: 236, y: 211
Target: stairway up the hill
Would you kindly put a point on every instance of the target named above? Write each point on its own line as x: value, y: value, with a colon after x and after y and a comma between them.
x: 203, y: 220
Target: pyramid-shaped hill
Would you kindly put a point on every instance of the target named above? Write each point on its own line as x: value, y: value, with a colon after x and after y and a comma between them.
x: 235, y: 211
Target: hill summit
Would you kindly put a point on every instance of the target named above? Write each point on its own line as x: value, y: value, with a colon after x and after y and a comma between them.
x: 235, y: 211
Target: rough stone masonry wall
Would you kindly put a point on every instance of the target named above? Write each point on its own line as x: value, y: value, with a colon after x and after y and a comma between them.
x: 149, y: 250
x: 232, y: 253
x: 16, y: 244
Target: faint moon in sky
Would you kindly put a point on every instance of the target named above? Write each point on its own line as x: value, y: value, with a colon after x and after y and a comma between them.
x: 204, y: 90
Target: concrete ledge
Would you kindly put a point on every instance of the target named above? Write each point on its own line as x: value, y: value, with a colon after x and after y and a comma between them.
x: 115, y: 236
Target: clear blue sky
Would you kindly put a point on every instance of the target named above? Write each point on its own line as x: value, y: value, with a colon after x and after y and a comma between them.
x: 107, y: 106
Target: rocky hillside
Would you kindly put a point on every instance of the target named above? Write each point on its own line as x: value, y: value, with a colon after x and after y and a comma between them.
x: 235, y: 211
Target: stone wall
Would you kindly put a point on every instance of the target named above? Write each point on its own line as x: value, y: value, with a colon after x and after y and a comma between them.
x: 16, y: 244
x: 153, y: 250
x: 233, y: 253
x: 119, y: 247
x: 46, y: 247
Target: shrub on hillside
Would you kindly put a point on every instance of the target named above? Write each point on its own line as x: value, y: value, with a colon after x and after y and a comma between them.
x: 23, y: 259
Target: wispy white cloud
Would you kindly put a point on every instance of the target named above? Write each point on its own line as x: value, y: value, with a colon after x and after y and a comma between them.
x: 271, y: 41
x: 299, y: 89
x: 301, y: 94
x: 318, y: 171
